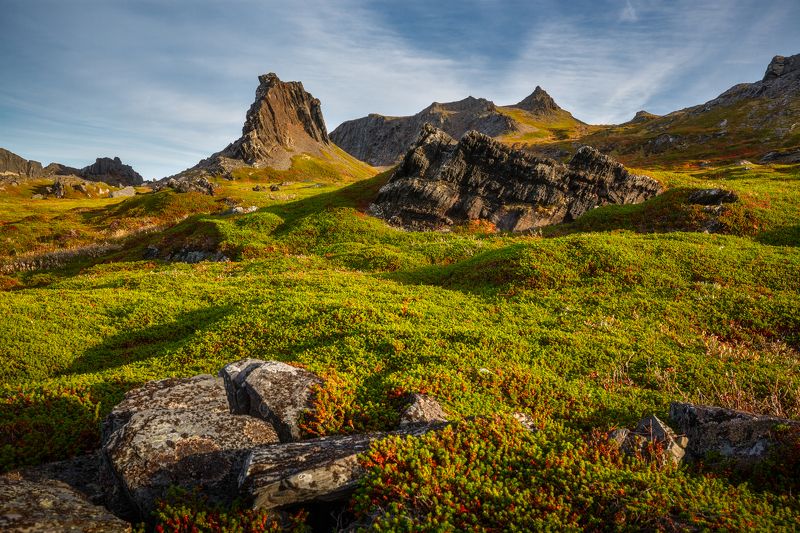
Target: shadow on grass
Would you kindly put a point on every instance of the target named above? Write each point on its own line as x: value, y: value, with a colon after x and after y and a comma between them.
x: 145, y: 343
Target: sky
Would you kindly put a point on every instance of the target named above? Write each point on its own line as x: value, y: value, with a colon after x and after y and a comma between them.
x: 165, y: 83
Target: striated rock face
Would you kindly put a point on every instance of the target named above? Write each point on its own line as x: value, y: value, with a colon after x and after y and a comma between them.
x: 12, y: 164
x: 111, y: 171
x: 440, y: 183
x: 324, y: 469
x: 382, y: 141
x: 538, y: 103
x: 283, y: 121
x: 47, y: 506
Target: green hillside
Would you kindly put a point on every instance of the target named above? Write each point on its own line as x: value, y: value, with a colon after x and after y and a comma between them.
x: 585, y: 328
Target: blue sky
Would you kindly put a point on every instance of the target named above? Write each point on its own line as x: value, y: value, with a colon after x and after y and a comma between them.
x: 163, y: 84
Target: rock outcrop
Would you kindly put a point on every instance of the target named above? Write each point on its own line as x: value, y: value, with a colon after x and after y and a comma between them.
x: 652, y: 439
x: 283, y: 121
x: 233, y: 436
x: 106, y: 170
x: 13, y: 165
x: 441, y: 182
x: 111, y: 171
x: 380, y: 140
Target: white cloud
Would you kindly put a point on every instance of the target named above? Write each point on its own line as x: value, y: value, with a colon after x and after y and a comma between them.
x: 628, y: 13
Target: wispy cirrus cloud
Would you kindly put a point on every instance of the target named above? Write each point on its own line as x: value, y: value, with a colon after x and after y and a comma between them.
x: 163, y: 84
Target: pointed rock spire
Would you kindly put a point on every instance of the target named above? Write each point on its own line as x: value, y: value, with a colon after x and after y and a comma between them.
x: 538, y: 103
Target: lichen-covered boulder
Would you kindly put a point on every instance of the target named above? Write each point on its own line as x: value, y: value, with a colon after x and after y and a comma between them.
x: 192, y: 449
x: 735, y: 435
x: 47, y: 506
x: 273, y: 391
x: 323, y: 469
x: 203, y: 393
x: 422, y: 409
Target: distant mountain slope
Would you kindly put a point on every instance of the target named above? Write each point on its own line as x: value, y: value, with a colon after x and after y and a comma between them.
x: 746, y: 121
x: 381, y: 141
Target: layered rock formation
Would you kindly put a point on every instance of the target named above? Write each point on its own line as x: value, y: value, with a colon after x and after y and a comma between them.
x: 13, y: 165
x: 283, y: 121
x: 111, y: 171
x: 441, y: 182
x: 380, y: 140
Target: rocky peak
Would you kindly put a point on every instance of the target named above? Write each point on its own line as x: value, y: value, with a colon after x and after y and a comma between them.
x: 538, y: 103
x: 12, y: 164
x: 642, y: 116
x: 468, y: 104
x: 780, y: 66
x: 283, y: 117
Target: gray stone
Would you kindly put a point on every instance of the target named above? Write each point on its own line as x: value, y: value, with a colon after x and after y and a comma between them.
x: 440, y: 183
x: 324, y: 469
x: 111, y: 171
x: 736, y: 435
x: 422, y: 409
x: 162, y: 448
x: 202, y: 393
x: 651, y: 430
x: 27, y: 506
x: 281, y: 394
x: 234, y: 375
x: 712, y: 197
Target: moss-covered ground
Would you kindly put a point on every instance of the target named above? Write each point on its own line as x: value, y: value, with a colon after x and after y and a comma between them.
x: 585, y: 328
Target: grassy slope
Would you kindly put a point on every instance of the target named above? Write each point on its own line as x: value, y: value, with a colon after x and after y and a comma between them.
x: 543, y: 130
x: 579, y: 330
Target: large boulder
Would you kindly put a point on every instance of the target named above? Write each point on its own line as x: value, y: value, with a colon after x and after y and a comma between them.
x: 735, y: 435
x: 202, y: 393
x: 28, y: 506
x: 712, y: 197
x: 273, y: 391
x: 441, y: 182
x: 324, y: 469
x: 191, y: 449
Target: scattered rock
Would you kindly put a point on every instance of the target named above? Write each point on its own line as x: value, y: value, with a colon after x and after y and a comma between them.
x: 37, y: 197
x: 59, y: 189
x: 651, y: 430
x: 526, y: 421
x: 239, y: 210
x: 124, y: 192
x: 784, y: 156
x: 188, y: 255
x: 422, y: 409
x: 712, y: 197
x: 324, y: 469
x: 744, y: 163
x: 81, y: 188
x: 28, y: 506
x: 274, y: 188
x: 440, y: 183
x: 185, y: 184
x: 259, y: 188
x: 735, y: 435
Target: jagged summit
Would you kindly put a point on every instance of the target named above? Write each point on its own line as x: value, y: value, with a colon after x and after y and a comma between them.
x: 538, y: 103
x: 283, y: 121
x: 781, y: 66
x: 111, y: 171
